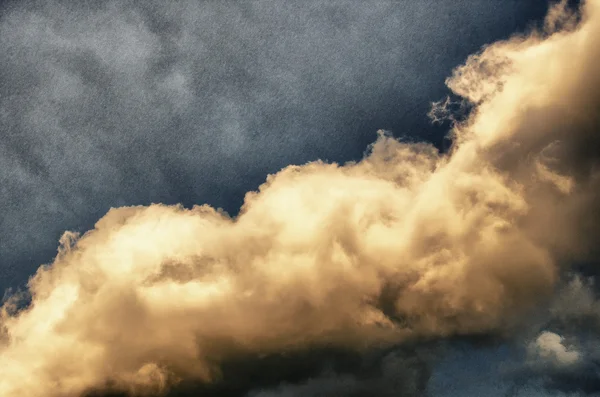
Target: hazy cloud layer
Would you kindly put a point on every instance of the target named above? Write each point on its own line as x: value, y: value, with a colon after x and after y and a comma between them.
x: 403, y: 246
x: 105, y: 103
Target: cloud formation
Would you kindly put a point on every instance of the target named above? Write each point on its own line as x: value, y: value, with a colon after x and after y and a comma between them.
x: 406, y: 244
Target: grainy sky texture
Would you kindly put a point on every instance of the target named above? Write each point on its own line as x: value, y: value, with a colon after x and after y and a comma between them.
x: 424, y: 266
x: 105, y: 104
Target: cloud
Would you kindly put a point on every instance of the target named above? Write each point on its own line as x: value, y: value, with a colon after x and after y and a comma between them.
x: 549, y: 347
x: 393, y: 373
x: 407, y: 244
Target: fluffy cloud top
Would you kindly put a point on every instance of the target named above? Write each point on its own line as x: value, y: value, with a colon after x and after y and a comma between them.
x: 549, y: 346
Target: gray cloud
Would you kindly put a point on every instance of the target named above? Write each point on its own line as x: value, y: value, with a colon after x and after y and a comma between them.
x: 396, y: 373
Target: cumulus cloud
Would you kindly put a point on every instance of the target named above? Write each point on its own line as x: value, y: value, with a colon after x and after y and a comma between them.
x: 549, y: 347
x: 406, y: 244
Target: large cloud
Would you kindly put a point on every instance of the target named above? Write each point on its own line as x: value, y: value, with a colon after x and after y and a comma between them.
x: 405, y: 244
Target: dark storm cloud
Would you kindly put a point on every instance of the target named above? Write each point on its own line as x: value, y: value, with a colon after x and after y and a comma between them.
x: 396, y: 373
x: 399, y: 371
x: 117, y: 103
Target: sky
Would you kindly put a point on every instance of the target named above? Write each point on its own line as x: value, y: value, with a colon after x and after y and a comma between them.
x: 274, y: 198
x: 129, y: 103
